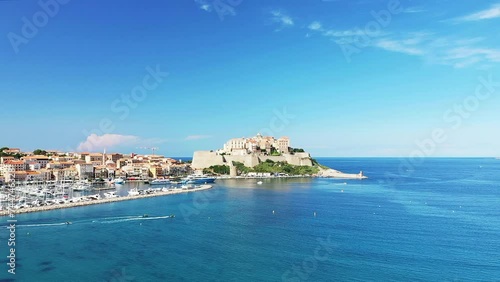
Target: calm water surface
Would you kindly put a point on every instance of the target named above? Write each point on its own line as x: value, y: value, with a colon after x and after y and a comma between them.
x: 439, y: 221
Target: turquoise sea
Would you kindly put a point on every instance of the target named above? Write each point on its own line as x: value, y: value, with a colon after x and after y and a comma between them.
x: 437, y: 221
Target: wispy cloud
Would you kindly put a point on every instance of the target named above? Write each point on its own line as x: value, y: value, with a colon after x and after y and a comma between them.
x: 466, y: 56
x: 204, y: 5
x: 432, y: 48
x: 435, y: 49
x: 222, y: 8
x: 96, y: 142
x: 413, y: 10
x: 282, y: 19
x: 315, y: 26
x: 340, y: 35
x: 398, y: 46
x: 490, y: 13
x: 197, y: 137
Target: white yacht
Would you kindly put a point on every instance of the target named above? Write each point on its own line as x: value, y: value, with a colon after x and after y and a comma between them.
x: 110, y: 195
x: 160, y: 181
x: 81, y: 186
x: 133, y: 192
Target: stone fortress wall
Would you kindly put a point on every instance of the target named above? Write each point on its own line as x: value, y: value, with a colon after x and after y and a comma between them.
x: 205, y: 159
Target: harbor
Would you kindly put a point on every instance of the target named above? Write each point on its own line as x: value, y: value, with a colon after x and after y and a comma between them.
x: 35, y: 197
x: 96, y: 199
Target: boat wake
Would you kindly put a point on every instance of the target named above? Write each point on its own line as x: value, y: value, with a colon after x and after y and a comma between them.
x: 135, y: 218
x: 39, y: 225
x: 105, y: 220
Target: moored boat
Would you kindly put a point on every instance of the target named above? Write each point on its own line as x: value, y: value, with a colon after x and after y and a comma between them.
x: 160, y: 181
x: 198, y: 179
x: 118, y: 180
x: 110, y: 195
x: 133, y: 192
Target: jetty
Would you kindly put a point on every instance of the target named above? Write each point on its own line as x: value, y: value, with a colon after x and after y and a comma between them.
x: 10, y: 211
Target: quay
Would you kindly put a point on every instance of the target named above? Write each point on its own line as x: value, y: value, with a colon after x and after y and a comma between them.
x: 8, y: 211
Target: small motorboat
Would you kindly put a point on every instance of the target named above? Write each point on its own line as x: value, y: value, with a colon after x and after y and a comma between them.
x: 118, y: 181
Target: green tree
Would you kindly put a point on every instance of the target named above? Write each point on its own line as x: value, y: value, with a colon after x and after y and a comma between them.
x: 241, y: 168
x: 275, y: 152
x: 40, y: 152
x: 218, y: 169
x: 18, y: 155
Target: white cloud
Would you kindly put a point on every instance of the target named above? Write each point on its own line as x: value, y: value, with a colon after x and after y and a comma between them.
x: 412, y: 44
x: 282, y: 19
x: 197, y: 137
x: 412, y: 10
x: 398, y: 46
x: 204, y: 5
x: 315, y: 26
x: 491, y: 13
x: 432, y: 48
x: 465, y: 56
x: 459, y: 53
x: 344, y: 33
x: 96, y: 142
x: 347, y: 36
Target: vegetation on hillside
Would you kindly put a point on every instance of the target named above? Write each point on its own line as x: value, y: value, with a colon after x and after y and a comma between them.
x: 217, y: 169
x: 4, y: 154
x: 275, y: 152
x: 316, y: 163
x: 270, y: 166
x: 40, y: 152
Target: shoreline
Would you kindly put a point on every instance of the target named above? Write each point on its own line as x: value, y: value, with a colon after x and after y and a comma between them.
x: 8, y: 212
x: 323, y: 173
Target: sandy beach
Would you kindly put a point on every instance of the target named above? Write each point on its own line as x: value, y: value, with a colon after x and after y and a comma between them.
x: 7, y: 212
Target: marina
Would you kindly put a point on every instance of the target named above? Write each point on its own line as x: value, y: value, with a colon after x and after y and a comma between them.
x: 22, y: 204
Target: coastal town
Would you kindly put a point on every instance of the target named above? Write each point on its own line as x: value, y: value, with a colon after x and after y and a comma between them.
x: 45, y: 180
x: 237, y: 153
x: 40, y: 165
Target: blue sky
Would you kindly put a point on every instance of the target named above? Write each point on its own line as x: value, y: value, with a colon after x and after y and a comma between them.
x: 339, y: 77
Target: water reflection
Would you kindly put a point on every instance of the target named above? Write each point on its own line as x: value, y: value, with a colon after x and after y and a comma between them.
x: 267, y: 183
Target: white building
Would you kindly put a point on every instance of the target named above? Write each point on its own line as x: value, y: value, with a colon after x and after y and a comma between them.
x: 34, y: 166
x: 84, y: 171
x: 13, y: 165
x: 42, y: 160
x: 235, y: 143
x: 236, y: 146
x: 95, y: 159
